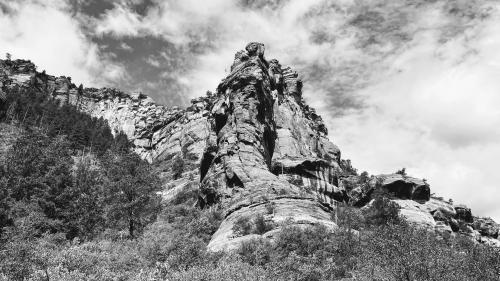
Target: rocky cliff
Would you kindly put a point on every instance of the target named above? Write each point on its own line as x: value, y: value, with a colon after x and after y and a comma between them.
x: 254, y: 148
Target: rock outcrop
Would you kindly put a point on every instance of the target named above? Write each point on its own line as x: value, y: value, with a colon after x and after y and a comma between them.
x: 254, y: 148
x: 237, y: 169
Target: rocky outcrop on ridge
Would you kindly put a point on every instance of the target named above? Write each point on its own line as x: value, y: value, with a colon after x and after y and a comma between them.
x: 253, y: 148
x: 418, y: 207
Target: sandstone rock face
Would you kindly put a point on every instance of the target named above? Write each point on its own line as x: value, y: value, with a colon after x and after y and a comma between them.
x: 156, y: 131
x: 486, y: 227
x: 406, y: 187
x: 237, y: 169
x: 253, y: 147
x: 303, y: 155
x: 416, y: 213
x: 398, y: 186
x: 464, y: 213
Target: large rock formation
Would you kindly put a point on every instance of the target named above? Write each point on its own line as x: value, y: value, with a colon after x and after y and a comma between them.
x: 253, y: 148
x: 237, y: 169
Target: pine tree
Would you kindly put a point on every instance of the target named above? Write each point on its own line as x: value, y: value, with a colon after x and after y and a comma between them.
x: 131, y: 199
x: 37, y: 179
x: 80, y: 89
x: 86, y: 212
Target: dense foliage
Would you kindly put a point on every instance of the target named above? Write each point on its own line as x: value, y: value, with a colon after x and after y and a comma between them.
x: 173, y: 248
x: 68, y: 178
x: 29, y: 107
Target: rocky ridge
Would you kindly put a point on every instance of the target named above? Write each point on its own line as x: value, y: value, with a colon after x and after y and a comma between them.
x: 254, y: 148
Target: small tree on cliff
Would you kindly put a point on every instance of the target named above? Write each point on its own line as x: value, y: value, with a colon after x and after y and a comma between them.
x: 80, y: 90
x: 402, y: 172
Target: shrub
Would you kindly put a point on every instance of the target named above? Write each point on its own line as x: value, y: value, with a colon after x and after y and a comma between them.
x: 382, y: 211
x: 304, y: 242
x: 311, y: 253
x: 349, y: 217
x: 261, y: 226
x: 401, y: 172
x: 228, y: 268
x: 186, y: 195
x: 242, y: 226
x: 347, y: 168
x: 403, y: 252
x: 177, y: 167
x: 255, y: 251
x: 270, y: 207
x: 364, y: 177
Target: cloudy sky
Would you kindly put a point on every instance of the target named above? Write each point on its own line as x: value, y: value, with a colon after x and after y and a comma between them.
x: 400, y: 83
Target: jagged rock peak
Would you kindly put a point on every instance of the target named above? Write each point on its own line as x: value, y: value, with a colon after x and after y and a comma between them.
x: 264, y: 149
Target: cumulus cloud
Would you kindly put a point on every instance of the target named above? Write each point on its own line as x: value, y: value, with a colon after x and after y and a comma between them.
x: 436, y: 115
x: 120, y: 21
x: 46, y: 33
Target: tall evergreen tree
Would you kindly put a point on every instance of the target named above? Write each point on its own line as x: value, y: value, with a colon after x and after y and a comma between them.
x: 131, y: 193
x: 86, y: 213
x: 37, y: 178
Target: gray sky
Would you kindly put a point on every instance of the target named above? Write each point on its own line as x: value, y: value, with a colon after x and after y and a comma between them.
x: 400, y: 83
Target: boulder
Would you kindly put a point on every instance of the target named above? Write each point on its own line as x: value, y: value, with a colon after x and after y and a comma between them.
x: 443, y: 229
x: 455, y: 226
x: 464, y: 213
x: 415, y: 213
x: 404, y: 187
x: 486, y: 227
x: 438, y: 215
x: 445, y: 208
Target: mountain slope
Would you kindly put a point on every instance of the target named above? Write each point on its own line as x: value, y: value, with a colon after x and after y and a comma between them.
x: 255, y: 149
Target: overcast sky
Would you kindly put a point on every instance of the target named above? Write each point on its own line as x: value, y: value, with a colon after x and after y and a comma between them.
x: 400, y: 83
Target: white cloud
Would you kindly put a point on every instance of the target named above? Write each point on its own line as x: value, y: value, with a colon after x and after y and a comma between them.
x: 437, y: 117
x: 153, y: 61
x: 47, y: 34
x: 120, y: 21
x: 126, y: 47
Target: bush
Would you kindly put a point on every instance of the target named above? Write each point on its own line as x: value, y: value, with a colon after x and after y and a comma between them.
x: 242, y: 226
x: 402, y: 252
x: 261, y: 226
x: 364, y: 177
x: 228, y: 268
x: 401, y: 172
x: 255, y: 251
x: 311, y: 253
x: 382, y: 211
x: 270, y: 207
x: 350, y: 217
x: 177, y: 167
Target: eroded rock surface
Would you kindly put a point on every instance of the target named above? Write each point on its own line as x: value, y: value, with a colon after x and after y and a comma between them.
x: 241, y: 156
